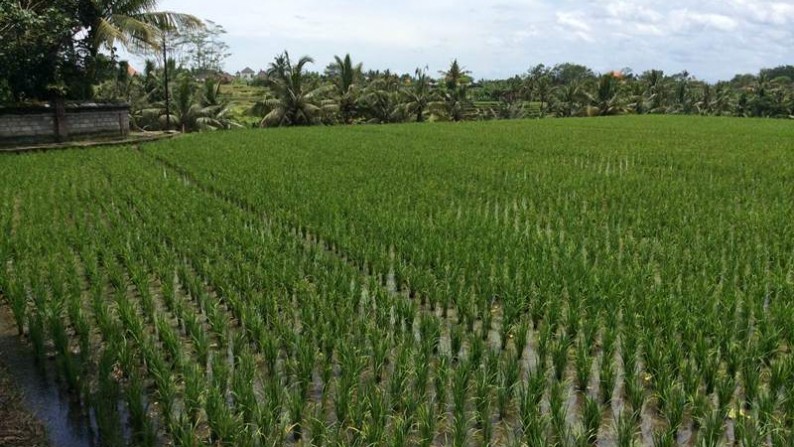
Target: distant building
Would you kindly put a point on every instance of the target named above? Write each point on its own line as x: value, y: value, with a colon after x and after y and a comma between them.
x: 226, y: 78
x: 246, y: 75
x: 261, y: 75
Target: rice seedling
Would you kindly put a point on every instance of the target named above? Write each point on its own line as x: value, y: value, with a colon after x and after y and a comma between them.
x: 18, y: 300
x: 482, y: 404
x: 559, y: 413
x: 664, y: 438
x: 426, y: 416
x: 583, y: 363
x: 185, y: 432
x: 440, y: 383
x: 508, y: 376
x: 751, y: 381
x: 296, y: 404
x: 626, y: 430
x: 138, y: 408
x: 606, y: 379
x: 712, y: 429
x: 674, y: 406
x: 559, y: 357
x: 318, y: 429
x: 591, y: 420
x: 401, y: 432
x: 726, y: 387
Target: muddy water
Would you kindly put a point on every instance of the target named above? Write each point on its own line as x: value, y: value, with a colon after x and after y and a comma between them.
x: 65, y: 424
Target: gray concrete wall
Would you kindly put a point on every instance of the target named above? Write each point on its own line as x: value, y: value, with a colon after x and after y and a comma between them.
x: 39, y: 124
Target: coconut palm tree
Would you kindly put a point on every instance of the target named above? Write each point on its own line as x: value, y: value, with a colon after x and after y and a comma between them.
x: 606, y: 99
x: 216, y: 111
x: 723, y: 101
x: 346, y: 78
x: 655, y: 90
x: 418, y: 96
x: 568, y: 99
x: 636, y: 100
x: 456, y: 105
x: 292, y: 102
x: 382, y: 100
x: 193, y: 110
x: 135, y: 24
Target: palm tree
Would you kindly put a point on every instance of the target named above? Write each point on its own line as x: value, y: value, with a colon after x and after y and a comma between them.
x: 193, y: 110
x: 704, y: 104
x: 382, y: 101
x: 346, y: 78
x: 456, y: 104
x: 636, y: 100
x: 135, y: 24
x: 184, y: 110
x: 683, y: 100
x: 215, y: 110
x: 568, y: 99
x: 418, y: 96
x: 723, y: 102
x: 606, y: 99
x: 292, y: 102
x: 456, y: 77
x: 655, y: 90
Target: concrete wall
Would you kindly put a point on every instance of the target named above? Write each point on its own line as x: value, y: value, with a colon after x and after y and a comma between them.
x: 40, y: 124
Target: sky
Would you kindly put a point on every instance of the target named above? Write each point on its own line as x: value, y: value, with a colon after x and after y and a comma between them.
x: 712, y: 39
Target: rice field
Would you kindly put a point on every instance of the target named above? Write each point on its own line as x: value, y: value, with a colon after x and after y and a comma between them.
x: 615, y: 282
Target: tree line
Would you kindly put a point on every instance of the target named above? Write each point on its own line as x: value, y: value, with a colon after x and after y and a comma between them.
x: 344, y: 93
x: 67, y: 49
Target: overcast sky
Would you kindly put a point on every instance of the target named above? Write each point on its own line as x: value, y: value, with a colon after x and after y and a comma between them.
x: 712, y: 39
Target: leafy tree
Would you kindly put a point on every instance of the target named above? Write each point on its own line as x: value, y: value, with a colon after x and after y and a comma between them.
x: 52, y: 49
x: 36, y: 59
x: 538, y: 86
x: 567, y: 73
x: 204, y: 50
x: 293, y: 102
x: 786, y: 71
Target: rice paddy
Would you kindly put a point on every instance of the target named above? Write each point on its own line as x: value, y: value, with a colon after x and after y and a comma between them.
x: 613, y: 282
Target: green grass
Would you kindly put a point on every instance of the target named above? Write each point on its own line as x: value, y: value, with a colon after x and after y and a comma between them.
x: 367, y: 285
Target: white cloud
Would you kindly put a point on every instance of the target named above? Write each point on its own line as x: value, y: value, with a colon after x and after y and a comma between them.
x: 684, y: 19
x: 573, y: 20
x: 633, y: 11
x: 771, y: 13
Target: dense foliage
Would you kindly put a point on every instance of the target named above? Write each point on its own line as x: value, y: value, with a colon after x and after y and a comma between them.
x: 566, y: 90
x: 560, y: 282
x: 67, y: 49
x: 53, y: 48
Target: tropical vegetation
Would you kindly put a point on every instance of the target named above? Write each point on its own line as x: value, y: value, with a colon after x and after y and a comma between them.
x: 68, y: 49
